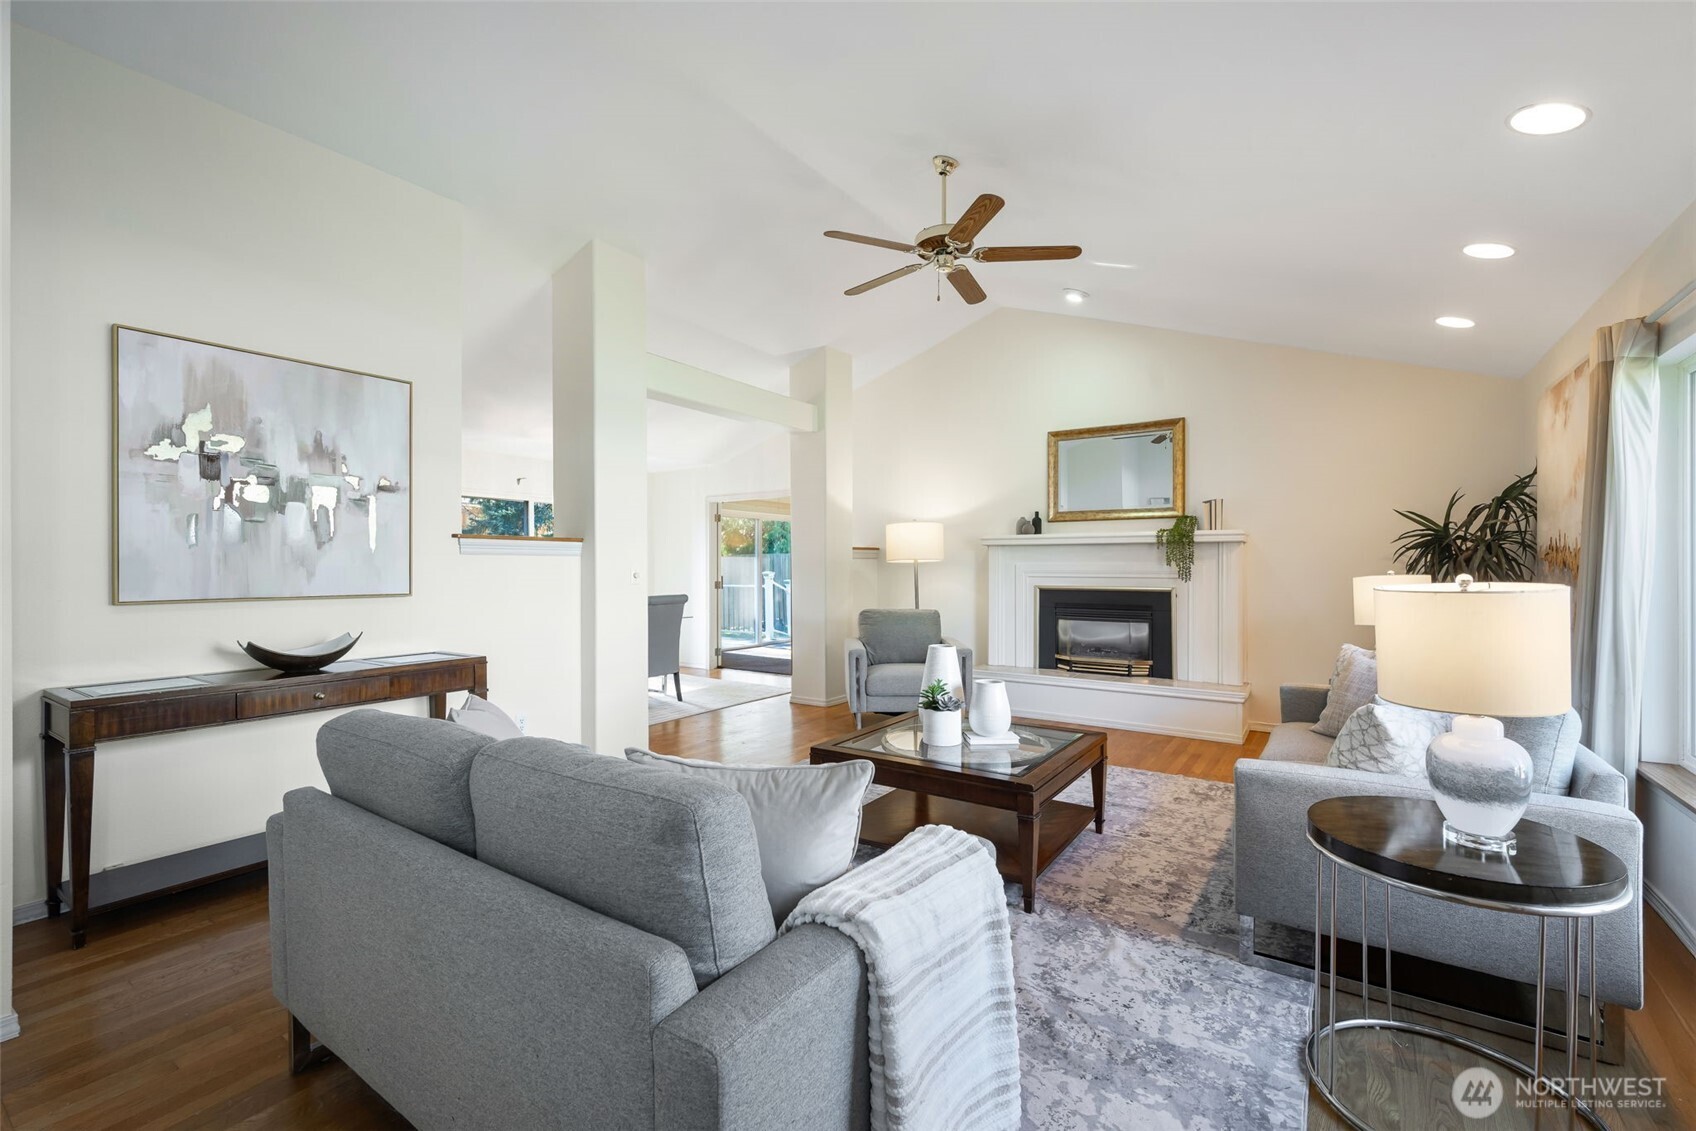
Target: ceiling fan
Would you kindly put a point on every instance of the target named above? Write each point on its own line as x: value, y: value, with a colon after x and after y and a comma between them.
x: 948, y: 247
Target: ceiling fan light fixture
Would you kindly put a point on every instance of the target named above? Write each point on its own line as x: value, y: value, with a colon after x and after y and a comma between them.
x: 1074, y: 296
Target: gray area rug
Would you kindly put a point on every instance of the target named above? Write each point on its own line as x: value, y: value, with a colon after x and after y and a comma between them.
x: 1133, y: 1010
x: 701, y: 695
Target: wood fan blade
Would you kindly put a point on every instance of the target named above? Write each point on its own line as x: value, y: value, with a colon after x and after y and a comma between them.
x: 1024, y: 254
x: 873, y: 240
x: 973, y: 219
x: 966, y: 285
x: 882, y: 279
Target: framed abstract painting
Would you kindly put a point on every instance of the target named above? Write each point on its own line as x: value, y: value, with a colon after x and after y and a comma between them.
x: 240, y: 476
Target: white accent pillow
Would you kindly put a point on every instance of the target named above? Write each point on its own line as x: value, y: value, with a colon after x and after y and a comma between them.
x: 1386, y: 739
x: 1354, y: 682
x: 806, y: 818
x: 484, y: 717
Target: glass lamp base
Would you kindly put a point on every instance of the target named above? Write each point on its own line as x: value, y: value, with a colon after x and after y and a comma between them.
x: 1478, y: 842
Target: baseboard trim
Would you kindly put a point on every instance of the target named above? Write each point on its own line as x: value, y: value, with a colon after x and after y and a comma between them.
x: 1685, y: 932
x: 29, y: 912
x: 802, y: 701
x: 8, y: 1026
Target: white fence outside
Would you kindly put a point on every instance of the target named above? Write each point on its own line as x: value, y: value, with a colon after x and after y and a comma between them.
x: 754, y: 604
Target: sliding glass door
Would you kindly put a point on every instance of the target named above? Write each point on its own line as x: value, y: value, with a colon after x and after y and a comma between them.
x: 753, y: 586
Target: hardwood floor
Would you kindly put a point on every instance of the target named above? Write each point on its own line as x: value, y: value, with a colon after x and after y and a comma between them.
x: 166, y: 1019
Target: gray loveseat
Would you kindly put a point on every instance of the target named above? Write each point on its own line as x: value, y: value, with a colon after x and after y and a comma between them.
x: 886, y: 661
x: 1275, y: 862
x: 525, y: 934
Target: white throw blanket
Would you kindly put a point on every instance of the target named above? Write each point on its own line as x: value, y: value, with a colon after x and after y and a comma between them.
x: 930, y: 916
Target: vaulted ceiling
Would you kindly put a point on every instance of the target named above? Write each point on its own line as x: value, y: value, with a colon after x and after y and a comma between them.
x: 1302, y: 174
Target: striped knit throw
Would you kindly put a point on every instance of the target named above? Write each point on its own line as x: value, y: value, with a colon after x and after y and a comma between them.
x: 930, y: 916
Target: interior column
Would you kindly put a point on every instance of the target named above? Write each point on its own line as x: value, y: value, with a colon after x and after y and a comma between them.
x: 821, y: 478
x: 601, y: 481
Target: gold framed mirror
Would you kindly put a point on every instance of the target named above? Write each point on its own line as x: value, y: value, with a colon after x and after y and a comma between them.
x: 1118, y: 471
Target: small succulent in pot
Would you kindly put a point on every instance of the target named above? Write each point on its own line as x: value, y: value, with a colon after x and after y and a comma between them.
x: 939, y: 714
x: 937, y: 697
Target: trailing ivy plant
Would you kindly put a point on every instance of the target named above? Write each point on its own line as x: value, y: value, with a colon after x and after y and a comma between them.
x: 937, y: 697
x: 1493, y: 541
x: 1178, y: 541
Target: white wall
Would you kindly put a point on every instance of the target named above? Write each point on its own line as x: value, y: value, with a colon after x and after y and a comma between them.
x: 135, y: 202
x: 8, y: 1018
x: 1310, y: 451
x: 680, y: 533
x: 498, y: 475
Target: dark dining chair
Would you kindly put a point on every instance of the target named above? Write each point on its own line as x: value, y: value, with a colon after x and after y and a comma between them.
x: 665, y: 638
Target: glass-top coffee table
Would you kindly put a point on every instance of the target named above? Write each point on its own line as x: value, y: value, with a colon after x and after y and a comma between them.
x: 1003, y: 794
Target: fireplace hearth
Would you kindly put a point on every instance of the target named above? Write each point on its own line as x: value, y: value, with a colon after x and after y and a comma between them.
x: 1125, y: 632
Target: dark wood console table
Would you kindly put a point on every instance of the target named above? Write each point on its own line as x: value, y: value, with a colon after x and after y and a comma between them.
x: 74, y: 720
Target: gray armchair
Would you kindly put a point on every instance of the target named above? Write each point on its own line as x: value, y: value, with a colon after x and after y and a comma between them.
x: 665, y: 635
x: 886, y: 661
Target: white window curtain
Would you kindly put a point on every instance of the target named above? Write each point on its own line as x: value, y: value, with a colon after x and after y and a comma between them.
x: 1669, y: 690
x: 1616, y: 564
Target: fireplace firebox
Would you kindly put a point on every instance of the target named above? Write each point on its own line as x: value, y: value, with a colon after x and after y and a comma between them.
x: 1105, y: 631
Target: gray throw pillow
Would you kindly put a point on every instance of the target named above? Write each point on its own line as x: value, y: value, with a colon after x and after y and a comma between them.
x: 806, y: 818
x: 1354, y: 683
x: 1552, y: 741
x: 484, y: 717
x: 1383, y: 738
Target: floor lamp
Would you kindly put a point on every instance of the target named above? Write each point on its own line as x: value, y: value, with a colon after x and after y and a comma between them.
x: 913, y: 542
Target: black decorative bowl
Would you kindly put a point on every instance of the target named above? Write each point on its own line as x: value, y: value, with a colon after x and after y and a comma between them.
x: 300, y: 661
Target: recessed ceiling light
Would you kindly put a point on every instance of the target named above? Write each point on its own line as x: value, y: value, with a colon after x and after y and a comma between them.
x: 1549, y: 118
x: 1456, y: 322
x: 1488, y: 250
x: 1118, y: 266
x: 1074, y: 296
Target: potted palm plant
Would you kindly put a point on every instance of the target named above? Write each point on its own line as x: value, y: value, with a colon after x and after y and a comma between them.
x: 1492, y: 541
x: 939, y: 714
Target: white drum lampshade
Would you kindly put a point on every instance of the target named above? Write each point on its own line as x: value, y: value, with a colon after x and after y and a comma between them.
x: 1494, y: 648
x: 1364, y: 586
x: 1479, y: 650
x: 913, y: 542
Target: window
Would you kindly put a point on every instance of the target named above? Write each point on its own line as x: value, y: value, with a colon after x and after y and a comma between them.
x: 543, y: 521
x: 1669, y: 708
x: 479, y: 515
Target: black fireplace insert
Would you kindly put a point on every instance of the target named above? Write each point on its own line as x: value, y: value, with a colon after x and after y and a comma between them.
x: 1105, y: 631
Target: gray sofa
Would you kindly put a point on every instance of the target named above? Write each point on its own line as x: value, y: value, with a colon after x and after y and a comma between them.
x: 886, y: 661
x: 1275, y: 862
x: 525, y: 934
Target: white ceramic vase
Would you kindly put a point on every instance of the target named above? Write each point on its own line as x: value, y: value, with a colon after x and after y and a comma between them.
x: 942, y: 661
x: 1482, y: 782
x: 991, y: 714
x: 941, y: 728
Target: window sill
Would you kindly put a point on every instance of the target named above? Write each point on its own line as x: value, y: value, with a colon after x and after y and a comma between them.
x: 1675, y: 781
x: 518, y: 545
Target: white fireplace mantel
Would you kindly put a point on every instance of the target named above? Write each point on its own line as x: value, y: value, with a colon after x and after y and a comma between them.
x: 1206, y: 696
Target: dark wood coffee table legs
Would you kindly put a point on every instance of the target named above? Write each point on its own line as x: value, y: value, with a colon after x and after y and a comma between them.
x: 1030, y: 835
x: 1098, y: 784
x: 53, y: 771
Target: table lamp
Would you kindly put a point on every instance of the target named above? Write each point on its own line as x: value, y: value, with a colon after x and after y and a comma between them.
x: 1363, y: 587
x: 913, y: 542
x: 1481, y: 650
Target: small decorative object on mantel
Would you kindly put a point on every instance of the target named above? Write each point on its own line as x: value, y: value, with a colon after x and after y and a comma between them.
x: 939, y: 712
x: 1178, y: 543
x: 1036, y: 523
x: 1024, y: 526
x: 300, y: 661
x: 1213, y: 514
